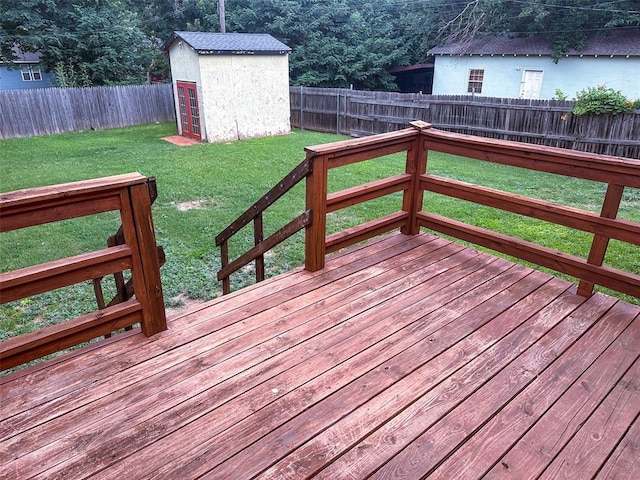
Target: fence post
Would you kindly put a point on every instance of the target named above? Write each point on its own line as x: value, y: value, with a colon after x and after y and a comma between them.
x: 316, y: 199
x: 301, y: 109
x: 416, y: 166
x: 338, y: 112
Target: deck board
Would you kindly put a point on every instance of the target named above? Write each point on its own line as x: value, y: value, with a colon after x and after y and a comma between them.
x: 407, y: 357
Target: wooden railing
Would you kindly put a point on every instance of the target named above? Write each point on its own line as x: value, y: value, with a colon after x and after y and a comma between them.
x: 262, y: 245
x: 417, y: 141
x: 132, y: 248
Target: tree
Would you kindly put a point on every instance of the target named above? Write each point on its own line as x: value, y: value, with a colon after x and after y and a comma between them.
x: 568, y: 23
x: 85, y: 42
x: 335, y: 43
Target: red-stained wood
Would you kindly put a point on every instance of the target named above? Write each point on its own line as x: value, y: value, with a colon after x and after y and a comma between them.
x: 610, y: 207
x: 57, y: 209
x: 18, y: 350
x: 455, y: 427
x: 333, y: 374
x: 316, y: 204
x: 365, y: 231
x: 130, y: 387
x: 487, y: 305
x: 357, y: 150
x: 599, y: 435
x: 48, y: 276
x: 369, y: 191
x: 323, y: 386
x: 604, y: 224
x: 624, y: 458
x: 144, y: 433
x: 417, y: 141
x: 132, y: 248
x: 381, y: 150
x: 283, y: 186
x: 137, y: 226
x: 265, y: 245
x: 519, y: 346
x: 224, y: 261
x: 28, y: 196
x: 621, y: 281
x: 255, y: 301
x: 258, y: 237
x: 416, y: 165
x: 584, y: 375
x: 572, y: 163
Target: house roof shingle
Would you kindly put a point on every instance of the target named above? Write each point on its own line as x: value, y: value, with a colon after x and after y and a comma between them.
x: 618, y: 44
x: 23, y: 57
x: 208, y: 43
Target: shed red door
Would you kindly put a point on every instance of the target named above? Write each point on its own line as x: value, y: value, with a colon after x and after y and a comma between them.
x: 189, y: 111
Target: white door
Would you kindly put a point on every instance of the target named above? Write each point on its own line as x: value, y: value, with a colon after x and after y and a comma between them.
x: 531, y: 84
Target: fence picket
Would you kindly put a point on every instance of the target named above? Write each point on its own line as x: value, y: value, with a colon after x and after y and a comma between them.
x: 543, y: 122
x: 26, y: 113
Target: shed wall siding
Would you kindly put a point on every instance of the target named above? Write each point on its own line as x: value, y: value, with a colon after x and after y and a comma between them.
x: 245, y: 96
x: 185, y: 67
x: 503, y: 75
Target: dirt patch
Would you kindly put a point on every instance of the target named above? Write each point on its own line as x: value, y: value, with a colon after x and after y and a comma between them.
x: 192, y: 205
x: 180, y: 141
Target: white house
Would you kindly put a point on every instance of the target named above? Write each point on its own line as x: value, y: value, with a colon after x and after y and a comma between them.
x: 229, y: 86
x: 522, y: 67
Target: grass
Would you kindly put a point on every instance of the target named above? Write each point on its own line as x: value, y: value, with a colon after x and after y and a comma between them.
x: 202, y: 188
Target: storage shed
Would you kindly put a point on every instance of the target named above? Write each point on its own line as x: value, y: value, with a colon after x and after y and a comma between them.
x: 229, y: 86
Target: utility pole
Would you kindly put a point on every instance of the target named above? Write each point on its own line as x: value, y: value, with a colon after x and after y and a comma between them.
x: 223, y: 28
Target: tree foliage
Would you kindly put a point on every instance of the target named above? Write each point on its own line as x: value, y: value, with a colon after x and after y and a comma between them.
x: 335, y: 43
x: 568, y: 23
x: 350, y: 43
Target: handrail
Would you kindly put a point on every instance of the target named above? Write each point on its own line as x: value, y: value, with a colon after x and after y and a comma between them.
x: 417, y: 141
x: 133, y: 249
x: 318, y: 161
x: 261, y: 245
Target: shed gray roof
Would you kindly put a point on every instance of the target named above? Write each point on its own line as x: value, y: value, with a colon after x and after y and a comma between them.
x: 207, y: 43
x: 618, y: 44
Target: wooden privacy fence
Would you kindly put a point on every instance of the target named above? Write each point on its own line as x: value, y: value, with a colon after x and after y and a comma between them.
x: 133, y: 248
x: 542, y: 122
x: 415, y: 180
x: 26, y: 113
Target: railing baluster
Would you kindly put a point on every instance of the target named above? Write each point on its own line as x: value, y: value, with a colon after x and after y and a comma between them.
x: 610, y: 208
x: 258, y: 237
x: 224, y: 260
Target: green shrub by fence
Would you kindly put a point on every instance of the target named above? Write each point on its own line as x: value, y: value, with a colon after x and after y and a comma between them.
x: 545, y: 122
x: 25, y: 113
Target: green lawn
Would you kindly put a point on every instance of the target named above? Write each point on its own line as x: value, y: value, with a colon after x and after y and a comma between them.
x: 203, y: 188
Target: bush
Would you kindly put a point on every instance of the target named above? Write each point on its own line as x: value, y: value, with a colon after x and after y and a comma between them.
x: 600, y: 100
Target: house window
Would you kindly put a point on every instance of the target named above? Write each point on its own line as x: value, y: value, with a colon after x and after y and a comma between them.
x: 475, y: 81
x: 31, y: 74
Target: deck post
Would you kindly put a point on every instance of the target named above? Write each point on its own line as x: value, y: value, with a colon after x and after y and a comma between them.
x: 416, y: 166
x: 316, y: 199
x: 146, y: 269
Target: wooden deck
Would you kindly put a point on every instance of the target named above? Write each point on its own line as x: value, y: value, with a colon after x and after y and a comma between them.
x: 409, y: 357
